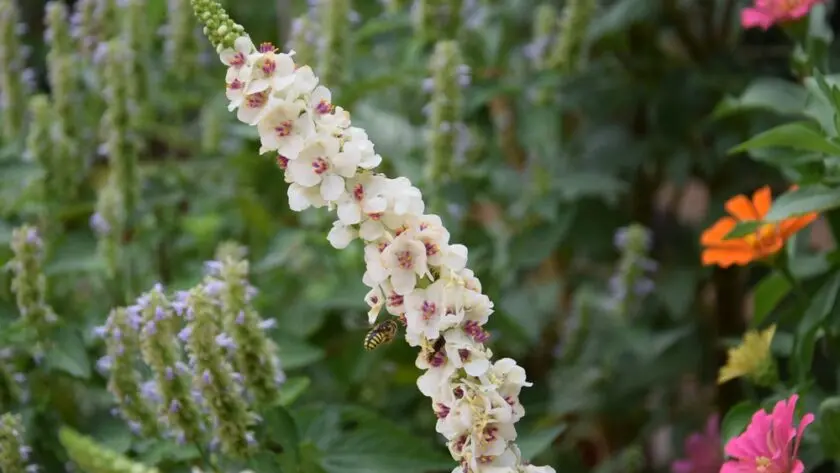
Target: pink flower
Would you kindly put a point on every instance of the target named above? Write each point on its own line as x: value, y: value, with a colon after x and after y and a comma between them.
x: 702, y: 450
x: 768, y: 446
x: 765, y: 13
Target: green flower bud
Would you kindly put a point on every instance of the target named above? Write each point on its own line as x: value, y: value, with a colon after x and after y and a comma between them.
x: 335, y: 25
x: 255, y: 354
x: 577, y: 14
x: 94, y: 458
x: 12, y: 87
x: 214, y: 376
x: 108, y: 19
x: 163, y: 353
x: 136, y: 34
x: 85, y: 27
x: 122, y: 341
x: 14, y: 453
x: 29, y: 283
x: 221, y: 30
x: 57, y: 21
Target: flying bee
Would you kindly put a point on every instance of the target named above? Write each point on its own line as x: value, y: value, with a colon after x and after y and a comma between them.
x: 382, y: 333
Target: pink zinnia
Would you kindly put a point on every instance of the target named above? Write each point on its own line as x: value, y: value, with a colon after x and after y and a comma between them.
x: 765, y: 13
x: 768, y: 446
x: 702, y: 451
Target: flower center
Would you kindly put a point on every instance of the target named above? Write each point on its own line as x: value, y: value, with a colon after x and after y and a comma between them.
x: 267, y: 48
x: 428, y: 309
x: 359, y: 192
x: 432, y: 248
x: 257, y: 100
x: 323, y: 107
x: 284, y: 129
x: 765, y: 238
x: 762, y: 464
x: 282, y: 161
x: 395, y: 299
x: 236, y: 84
x: 320, y: 165
x: 268, y: 67
x: 405, y: 260
x: 238, y: 60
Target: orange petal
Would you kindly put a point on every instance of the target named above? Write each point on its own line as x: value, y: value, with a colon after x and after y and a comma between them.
x: 716, y: 232
x: 742, y: 208
x: 762, y: 199
x: 792, y: 225
x: 726, y: 257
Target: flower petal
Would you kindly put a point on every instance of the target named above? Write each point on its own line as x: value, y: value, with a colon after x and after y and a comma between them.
x: 716, y: 232
x: 742, y: 208
x: 761, y: 200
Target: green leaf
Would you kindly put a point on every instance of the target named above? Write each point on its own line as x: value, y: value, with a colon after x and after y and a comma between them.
x: 742, y: 229
x: 292, y: 389
x: 804, y: 200
x: 828, y: 420
x: 534, y: 443
x: 767, y: 93
x: 736, y: 420
x: 383, y: 447
x: 577, y: 185
x: 767, y: 295
x: 69, y: 354
x: 807, y: 330
x: 295, y: 352
x: 281, y: 429
x: 798, y: 135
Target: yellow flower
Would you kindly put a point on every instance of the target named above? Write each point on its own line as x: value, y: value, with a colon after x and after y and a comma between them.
x: 751, y: 359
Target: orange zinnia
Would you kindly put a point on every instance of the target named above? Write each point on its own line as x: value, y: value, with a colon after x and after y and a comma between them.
x: 768, y: 239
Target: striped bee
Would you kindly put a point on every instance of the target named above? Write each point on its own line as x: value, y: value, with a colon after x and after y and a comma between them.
x: 383, y: 332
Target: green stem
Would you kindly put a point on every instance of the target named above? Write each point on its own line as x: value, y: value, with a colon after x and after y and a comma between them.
x: 801, y: 295
x: 208, y: 462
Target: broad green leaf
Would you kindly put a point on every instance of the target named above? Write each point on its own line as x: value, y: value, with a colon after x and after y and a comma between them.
x: 822, y: 303
x: 798, y: 135
x: 768, y: 93
x: 767, y: 295
x: 619, y: 17
x: 578, y: 185
x: 292, y: 389
x: 533, y: 443
x: 69, y: 354
x: 804, y: 200
x: 383, y: 448
x: 736, y: 420
x: 296, y: 353
x: 282, y: 431
x: 828, y: 420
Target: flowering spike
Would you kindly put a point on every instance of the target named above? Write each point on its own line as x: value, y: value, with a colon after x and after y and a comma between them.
x: 414, y: 271
x: 14, y: 453
x: 333, y: 51
x: 576, y: 17
x: 180, y: 48
x: 437, y: 19
x: 445, y: 129
x: 544, y: 33
x: 29, y: 283
x: 162, y: 352
x: 108, y: 223
x: 255, y: 356
x: 121, y: 339
x: 303, y: 39
x: 117, y: 123
x: 219, y: 28
x: 214, y: 376
x: 13, y: 89
x: 630, y: 283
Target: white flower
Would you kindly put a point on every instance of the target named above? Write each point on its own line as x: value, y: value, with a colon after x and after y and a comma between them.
x: 237, y: 58
x: 361, y: 148
x: 253, y: 107
x: 477, y: 306
x: 320, y: 101
x: 301, y: 198
x: 375, y: 300
x: 438, y: 371
x: 271, y: 71
x: 376, y: 272
x: 407, y: 199
x: 536, y: 469
x: 394, y: 303
x: 341, y: 235
x: 466, y: 353
x: 316, y: 166
x: 405, y: 257
x: 284, y: 129
x: 423, y: 311
x: 303, y: 83
x: 235, y: 92
x: 364, y: 198
x: 503, y: 463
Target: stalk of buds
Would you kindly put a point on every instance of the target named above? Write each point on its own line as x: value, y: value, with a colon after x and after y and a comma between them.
x: 577, y: 14
x: 413, y: 270
x: 332, y: 56
x: 29, y: 283
x: 630, y: 283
